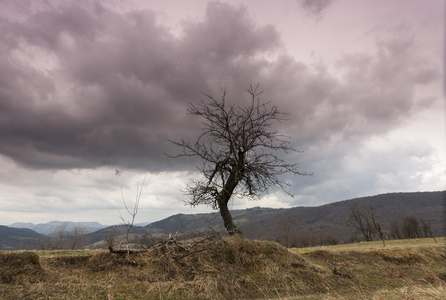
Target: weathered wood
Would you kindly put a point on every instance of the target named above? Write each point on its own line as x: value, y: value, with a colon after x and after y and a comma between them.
x: 129, y: 251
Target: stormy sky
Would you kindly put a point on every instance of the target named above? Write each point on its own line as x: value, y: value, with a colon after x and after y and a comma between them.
x: 91, y: 92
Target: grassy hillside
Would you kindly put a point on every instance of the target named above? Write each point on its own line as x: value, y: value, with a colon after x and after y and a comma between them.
x: 230, y: 268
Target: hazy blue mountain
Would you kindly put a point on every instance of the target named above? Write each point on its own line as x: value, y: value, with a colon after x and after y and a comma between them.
x: 23, y: 225
x: 142, y: 224
x: 47, y: 228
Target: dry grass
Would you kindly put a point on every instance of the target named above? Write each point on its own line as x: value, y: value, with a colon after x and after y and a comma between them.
x: 435, y: 291
x: 404, y: 269
x: 377, y: 245
x: 229, y: 268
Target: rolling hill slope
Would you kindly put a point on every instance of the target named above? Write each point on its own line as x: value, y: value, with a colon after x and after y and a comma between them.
x: 18, y: 238
x: 329, y: 219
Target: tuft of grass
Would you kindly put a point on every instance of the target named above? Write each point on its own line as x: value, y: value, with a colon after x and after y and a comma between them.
x: 434, y: 291
x: 21, y: 267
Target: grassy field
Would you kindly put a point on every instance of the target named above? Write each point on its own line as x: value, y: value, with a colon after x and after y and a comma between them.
x: 403, y: 269
x: 368, y: 246
x: 231, y: 268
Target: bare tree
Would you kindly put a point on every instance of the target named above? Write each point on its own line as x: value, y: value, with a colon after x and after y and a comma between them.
x: 65, y: 236
x: 287, y: 227
x: 395, y: 232
x: 411, y: 228
x: 358, y: 220
x: 76, y: 237
x: 372, y: 217
x: 364, y: 219
x: 60, y: 235
x: 426, y: 229
x: 238, y: 149
x: 110, y: 238
x: 129, y: 223
x: 46, y: 242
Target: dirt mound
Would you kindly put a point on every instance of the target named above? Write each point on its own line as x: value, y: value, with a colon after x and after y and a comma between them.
x: 223, y: 267
x: 20, y: 267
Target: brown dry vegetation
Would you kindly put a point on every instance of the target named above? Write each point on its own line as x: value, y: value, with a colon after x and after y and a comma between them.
x: 228, y: 268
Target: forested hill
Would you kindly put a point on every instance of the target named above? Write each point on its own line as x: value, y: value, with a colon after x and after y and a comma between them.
x: 16, y: 238
x: 326, y: 220
x: 298, y: 226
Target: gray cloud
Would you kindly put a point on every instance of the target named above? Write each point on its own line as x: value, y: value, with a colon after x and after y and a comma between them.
x: 86, y: 86
x: 91, y: 89
x: 314, y: 7
x: 117, y: 84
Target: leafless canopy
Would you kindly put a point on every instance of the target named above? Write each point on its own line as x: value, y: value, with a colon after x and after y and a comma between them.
x: 238, y: 147
x: 132, y: 213
x: 364, y: 219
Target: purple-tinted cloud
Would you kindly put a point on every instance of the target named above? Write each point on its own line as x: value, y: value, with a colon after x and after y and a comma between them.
x: 90, y: 90
x: 120, y: 83
x: 314, y: 7
x: 84, y: 86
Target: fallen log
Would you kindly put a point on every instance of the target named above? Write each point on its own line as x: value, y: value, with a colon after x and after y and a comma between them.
x: 124, y: 251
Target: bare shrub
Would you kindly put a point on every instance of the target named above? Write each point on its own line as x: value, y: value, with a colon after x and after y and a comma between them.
x: 64, y: 237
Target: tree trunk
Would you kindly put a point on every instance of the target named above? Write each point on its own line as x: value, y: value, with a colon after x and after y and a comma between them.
x: 227, y: 219
x: 224, y: 197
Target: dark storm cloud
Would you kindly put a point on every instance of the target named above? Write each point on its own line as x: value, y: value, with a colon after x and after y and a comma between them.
x: 84, y: 86
x: 315, y: 7
x: 117, y: 84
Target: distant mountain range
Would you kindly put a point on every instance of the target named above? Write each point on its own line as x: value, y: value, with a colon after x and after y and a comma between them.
x: 48, y: 228
x: 258, y: 223
x: 325, y: 220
